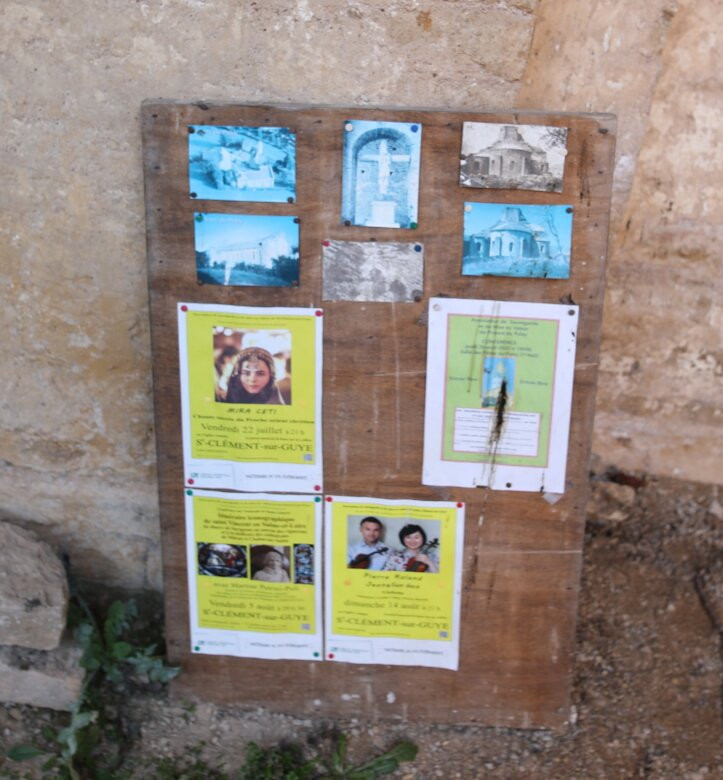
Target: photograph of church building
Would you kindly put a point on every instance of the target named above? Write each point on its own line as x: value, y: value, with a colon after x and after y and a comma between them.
x: 517, y: 240
x: 522, y: 157
x: 247, y: 250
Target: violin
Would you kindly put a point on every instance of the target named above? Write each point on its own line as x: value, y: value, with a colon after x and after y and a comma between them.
x: 416, y: 566
x: 363, y: 560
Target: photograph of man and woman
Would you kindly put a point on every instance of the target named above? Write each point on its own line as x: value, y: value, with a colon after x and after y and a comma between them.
x: 252, y: 366
x: 378, y: 543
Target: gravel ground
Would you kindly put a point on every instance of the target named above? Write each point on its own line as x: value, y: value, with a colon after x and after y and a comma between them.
x: 647, y: 674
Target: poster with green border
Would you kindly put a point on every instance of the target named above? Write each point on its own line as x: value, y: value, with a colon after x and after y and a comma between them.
x: 393, y: 581
x: 499, y: 394
x: 251, y: 397
x: 254, y: 574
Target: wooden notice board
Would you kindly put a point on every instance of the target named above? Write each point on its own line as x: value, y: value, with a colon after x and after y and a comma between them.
x: 522, y: 554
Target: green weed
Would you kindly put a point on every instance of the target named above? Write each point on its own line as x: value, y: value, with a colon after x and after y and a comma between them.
x: 107, y: 655
x: 82, y: 749
x: 286, y: 761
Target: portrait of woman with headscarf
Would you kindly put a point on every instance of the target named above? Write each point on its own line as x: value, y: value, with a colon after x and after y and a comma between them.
x: 253, y: 379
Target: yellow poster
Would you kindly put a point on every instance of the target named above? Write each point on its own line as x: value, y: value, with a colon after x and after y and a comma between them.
x: 253, y: 574
x: 393, y: 578
x: 251, y: 397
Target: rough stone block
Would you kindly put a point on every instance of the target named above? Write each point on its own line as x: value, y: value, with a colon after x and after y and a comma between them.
x: 709, y: 583
x: 33, y: 591
x: 40, y: 678
x: 610, y: 501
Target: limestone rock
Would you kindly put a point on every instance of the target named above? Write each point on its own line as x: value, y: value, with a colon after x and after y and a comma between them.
x: 41, y: 678
x: 709, y: 584
x: 621, y: 494
x: 33, y: 591
x: 610, y: 501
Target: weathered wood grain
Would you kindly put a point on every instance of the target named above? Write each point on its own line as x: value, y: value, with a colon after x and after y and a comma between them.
x: 522, y: 554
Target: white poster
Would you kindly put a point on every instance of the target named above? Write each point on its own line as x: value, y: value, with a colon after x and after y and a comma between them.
x: 254, y: 569
x: 251, y: 397
x: 499, y: 394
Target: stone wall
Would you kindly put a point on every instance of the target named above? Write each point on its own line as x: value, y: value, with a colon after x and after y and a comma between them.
x: 658, y: 66
x: 76, y: 423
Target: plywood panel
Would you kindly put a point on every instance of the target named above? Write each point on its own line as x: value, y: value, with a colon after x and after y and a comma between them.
x: 522, y: 554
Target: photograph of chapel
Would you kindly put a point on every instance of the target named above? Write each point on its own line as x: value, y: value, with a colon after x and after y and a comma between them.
x: 514, y: 157
x: 246, y: 250
x: 517, y: 240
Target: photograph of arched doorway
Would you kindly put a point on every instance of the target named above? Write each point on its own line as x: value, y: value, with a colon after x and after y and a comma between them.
x: 380, y: 186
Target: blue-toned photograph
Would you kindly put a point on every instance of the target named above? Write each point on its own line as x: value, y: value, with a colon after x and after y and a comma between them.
x: 517, y: 240
x: 247, y: 250
x: 242, y: 163
x: 498, y: 373
x: 380, y: 176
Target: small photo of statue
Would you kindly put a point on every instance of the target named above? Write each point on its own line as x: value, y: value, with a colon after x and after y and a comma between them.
x: 242, y: 163
x: 498, y: 382
x: 304, y: 564
x: 269, y: 563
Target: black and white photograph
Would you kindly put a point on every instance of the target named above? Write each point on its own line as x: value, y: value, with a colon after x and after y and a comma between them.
x: 242, y: 163
x: 247, y: 250
x: 269, y: 563
x: 373, y: 271
x: 513, y: 157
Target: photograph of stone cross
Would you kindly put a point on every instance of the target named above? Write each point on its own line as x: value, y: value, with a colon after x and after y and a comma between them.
x: 380, y: 180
